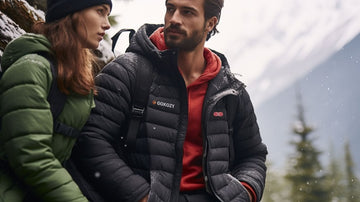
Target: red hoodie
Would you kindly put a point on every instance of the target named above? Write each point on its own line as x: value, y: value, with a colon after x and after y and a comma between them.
x: 192, y: 174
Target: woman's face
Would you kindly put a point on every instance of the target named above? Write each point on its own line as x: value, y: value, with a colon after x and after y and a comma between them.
x: 91, y: 24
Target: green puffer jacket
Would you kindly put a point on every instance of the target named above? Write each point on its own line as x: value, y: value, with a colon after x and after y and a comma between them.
x: 27, y: 143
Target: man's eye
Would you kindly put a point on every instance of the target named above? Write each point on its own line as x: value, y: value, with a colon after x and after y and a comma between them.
x: 170, y: 10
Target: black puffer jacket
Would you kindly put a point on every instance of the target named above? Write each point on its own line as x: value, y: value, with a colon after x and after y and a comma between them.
x: 156, y: 164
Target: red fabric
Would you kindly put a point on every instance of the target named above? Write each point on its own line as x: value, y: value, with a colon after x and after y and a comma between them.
x: 192, y: 174
x: 157, y: 38
x: 250, y: 190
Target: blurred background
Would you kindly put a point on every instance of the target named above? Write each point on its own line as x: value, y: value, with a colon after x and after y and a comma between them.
x: 300, y: 62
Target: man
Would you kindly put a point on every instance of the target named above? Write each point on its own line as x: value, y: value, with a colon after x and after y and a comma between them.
x: 189, y: 147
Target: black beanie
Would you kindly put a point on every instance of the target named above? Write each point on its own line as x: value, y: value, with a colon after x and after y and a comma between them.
x: 57, y: 9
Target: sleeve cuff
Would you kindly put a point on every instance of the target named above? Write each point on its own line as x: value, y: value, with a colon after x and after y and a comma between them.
x: 250, y: 190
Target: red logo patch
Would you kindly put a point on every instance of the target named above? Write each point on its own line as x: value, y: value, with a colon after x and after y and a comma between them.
x: 218, y: 114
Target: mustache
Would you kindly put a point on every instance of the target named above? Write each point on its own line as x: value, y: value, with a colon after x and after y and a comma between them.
x: 174, y: 28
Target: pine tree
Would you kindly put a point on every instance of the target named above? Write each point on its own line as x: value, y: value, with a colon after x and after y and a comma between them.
x: 275, y: 186
x: 305, y: 175
x: 335, y: 180
x: 352, y: 185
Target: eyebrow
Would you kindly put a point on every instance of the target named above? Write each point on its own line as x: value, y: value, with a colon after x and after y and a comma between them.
x: 183, y: 7
x: 106, y: 8
x: 190, y: 8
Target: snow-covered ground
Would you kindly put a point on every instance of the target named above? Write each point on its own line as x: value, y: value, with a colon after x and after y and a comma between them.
x: 9, y: 28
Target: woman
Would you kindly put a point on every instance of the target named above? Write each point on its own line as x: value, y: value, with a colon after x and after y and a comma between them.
x: 31, y: 153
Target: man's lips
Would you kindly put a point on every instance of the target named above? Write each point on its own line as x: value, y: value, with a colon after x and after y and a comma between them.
x: 174, y: 31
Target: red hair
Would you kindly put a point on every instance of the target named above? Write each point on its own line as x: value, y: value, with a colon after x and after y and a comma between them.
x: 74, y: 63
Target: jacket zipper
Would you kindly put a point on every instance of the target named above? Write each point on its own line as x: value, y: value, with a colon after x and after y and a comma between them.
x: 179, y: 150
x: 206, y: 114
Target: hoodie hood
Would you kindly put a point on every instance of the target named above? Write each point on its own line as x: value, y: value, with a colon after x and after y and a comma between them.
x: 26, y: 44
x: 141, y: 44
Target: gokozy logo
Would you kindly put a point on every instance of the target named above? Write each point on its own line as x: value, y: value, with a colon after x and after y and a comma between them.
x: 163, y: 104
x: 218, y: 114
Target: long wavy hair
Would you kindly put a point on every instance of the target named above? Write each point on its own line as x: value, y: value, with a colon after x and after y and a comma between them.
x: 74, y: 63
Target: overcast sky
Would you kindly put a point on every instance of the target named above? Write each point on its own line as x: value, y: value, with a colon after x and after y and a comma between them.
x: 269, y: 43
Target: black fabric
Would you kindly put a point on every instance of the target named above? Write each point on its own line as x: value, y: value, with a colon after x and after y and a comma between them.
x: 154, y: 167
x: 196, y: 196
x: 115, y: 38
x: 141, y: 94
x: 231, y: 109
x: 56, y: 98
x: 57, y: 9
x: 143, y: 80
x: 65, y: 129
x: 85, y: 187
x: 1, y: 73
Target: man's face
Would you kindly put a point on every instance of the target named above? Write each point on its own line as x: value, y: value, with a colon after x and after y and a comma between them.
x: 185, y: 25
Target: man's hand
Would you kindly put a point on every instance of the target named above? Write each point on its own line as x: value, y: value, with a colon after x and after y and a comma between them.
x: 145, y: 199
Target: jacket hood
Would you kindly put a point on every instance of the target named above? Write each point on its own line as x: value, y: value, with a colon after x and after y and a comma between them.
x: 141, y: 44
x: 26, y: 44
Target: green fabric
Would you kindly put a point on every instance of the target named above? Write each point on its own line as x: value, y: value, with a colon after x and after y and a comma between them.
x: 27, y: 142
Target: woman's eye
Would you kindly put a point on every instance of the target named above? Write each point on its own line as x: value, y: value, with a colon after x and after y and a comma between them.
x: 101, y: 11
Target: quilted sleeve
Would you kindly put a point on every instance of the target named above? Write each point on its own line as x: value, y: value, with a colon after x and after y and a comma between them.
x: 96, y: 152
x: 27, y: 128
x: 250, y: 151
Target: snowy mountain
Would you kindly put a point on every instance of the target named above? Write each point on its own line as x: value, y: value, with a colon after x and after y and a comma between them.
x: 331, y: 98
x: 273, y: 43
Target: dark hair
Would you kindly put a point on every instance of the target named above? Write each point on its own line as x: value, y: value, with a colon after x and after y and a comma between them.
x: 213, y: 8
x: 74, y: 62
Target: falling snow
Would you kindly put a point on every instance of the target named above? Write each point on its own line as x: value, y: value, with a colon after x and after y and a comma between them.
x: 97, y: 174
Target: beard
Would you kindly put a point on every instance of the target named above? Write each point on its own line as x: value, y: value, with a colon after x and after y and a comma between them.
x: 183, y: 41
